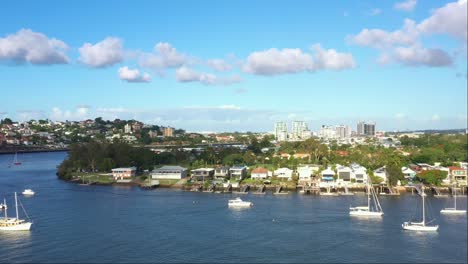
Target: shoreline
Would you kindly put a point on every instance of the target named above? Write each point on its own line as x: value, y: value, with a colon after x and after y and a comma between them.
x: 34, y: 150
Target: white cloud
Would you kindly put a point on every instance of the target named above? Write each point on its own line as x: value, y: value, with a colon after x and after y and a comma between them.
x: 219, y: 65
x: 378, y: 38
x: 407, y: 5
x: 450, y: 19
x: 102, y: 54
x: 275, y: 62
x: 80, y: 113
x: 400, y: 116
x: 186, y: 74
x: 331, y: 59
x: 435, y: 117
x: 417, y: 56
x: 130, y: 75
x: 33, y: 47
x: 164, y: 56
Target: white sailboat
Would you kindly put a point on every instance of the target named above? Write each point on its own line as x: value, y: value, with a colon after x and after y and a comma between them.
x: 373, y: 209
x: 420, y: 226
x: 453, y: 210
x: 14, y: 224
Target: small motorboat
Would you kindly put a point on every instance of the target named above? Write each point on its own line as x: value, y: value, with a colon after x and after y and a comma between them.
x: 28, y: 192
x: 238, y: 203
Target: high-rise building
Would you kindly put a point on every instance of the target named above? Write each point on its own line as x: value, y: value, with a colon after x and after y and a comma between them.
x: 366, y: 129
x: 328, y: 132
x: 281, y: 131
x: 168, y: 131
x: 300, y: 130
x: 127, y: 129
x: 343, y: 131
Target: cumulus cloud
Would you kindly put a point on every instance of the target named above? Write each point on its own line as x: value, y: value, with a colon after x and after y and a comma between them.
x: 80, y: 113
x: 407, y: 5
x: 275, y: 62
x: 378, y: 38
x: 134, y: 75
x: 450, y: 19
x: 27, y: 46
x: 404, y: 45
x: 164, y: 56
x: 186, y: 74
x: 418, y: 56
x: 102, y: 54
x: 331, y: 59
x: 219, y: 65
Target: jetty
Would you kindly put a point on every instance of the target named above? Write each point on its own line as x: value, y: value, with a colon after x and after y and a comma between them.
x: 346, y: 191
x: 307, y: 189
x: 260, y: 190
x: 437, y: 192
x: 228, y: 189
x: 151, y: 184
x: 279, y: 190
x: 389, y: 191
x: 211, y: 188
x: 244, y: 189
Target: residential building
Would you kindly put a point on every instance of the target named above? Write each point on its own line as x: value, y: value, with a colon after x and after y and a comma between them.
x: 281, y: 131
x: 221, y: 173
x: 328, y: 175
x: 300, y: 130
x: 168, y: 131
x: 343, y: 131
x: 382, y: 173
x: 260, y: 173
x: 305, y: 173
x: 283, y: 173
x: 408, y: 173
x: 327, y: 132
x: 202, y: 174
x: 458, y: 175
x: 366, y: 129
x: 169, y: 173
x: 359, y: 173
x: 123, y: 173
x: 344, y: 173
x: 238, y: 172
x: 128, y: 129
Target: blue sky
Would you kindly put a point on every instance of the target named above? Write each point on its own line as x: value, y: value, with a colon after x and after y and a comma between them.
x: 237, y: 65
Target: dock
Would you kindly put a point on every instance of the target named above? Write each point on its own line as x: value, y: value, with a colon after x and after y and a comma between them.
x: 150, y: 184
x: 279, y: 191
x: 260, y: 190
x: 243, y: 189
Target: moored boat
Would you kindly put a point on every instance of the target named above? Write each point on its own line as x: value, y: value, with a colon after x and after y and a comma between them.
x: 239, y: 203
x: 12, y: 223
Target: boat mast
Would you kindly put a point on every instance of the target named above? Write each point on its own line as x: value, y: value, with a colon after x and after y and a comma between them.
x: 455, y: 197
x: 16, y: 205
x: 424, y: 213
x: 368, y: 197
x: 6, y: 208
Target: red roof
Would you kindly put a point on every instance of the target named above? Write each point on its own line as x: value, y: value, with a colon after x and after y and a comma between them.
x: 451, y: 168
x: 259, y: 170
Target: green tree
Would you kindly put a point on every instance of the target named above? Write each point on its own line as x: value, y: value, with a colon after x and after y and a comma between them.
x: 394, y: 174
x: 433, y: 177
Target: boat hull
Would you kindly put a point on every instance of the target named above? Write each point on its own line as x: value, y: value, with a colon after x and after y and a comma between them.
x: 19, y: 227
x: 452, y: 211
x: 419, y: 227
x: 363, y: 213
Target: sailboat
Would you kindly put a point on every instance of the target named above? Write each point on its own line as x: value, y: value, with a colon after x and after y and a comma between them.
x: 370, y: 210
x: 15, y: 160
x: 420, y: 226
x: 454, y: 209
x: 14, y: 224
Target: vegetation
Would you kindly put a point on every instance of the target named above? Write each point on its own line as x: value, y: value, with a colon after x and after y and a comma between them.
x: 433, y: 177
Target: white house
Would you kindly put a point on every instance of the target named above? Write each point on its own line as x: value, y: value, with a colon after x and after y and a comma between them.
x: 202, y: 174
x: 260, y: 173
x: 305, y: 173
x: 382, y: 173
x: 123, y: 173
x: 359, y: 173
x: 283, y: 173
x: 408, y: 173
x: 169, y: 173
x: 344, y: 173
x: 238, y: 172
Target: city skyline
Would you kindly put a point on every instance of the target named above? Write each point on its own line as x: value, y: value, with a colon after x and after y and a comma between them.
x: 237, y: 66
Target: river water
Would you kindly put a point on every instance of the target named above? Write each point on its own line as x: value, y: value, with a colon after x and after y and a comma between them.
x: 74, y: 223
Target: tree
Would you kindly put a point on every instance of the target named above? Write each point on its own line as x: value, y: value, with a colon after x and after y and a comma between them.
x: 433, y: 177
x: 394, y: 174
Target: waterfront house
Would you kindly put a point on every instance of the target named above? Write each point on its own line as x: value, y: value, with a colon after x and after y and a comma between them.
x: 328, y: 177
x: 123, y: 173
x: 344, y: 174
x: 221, y: 173
x: 260, y: 173
x: 169, y: 173
x: 305, y: 173
x: 202, y: 174
x: 238, y: 172
x: 382, y: 173
x: 359, y: 173
x: 408, y: 173
x: 458, y: 175
x: 283, y: 173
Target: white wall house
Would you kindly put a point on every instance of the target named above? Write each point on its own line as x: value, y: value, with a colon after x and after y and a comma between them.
x: 359, y: 173
x: 382, y: 173
x: 260, y: 173
x: 283, y: 173
x: 344, y: 174
x: 305, y: 173
x: 169, y: 173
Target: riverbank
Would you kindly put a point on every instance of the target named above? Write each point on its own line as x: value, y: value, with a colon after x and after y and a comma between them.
x: 24, y: 149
